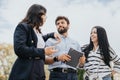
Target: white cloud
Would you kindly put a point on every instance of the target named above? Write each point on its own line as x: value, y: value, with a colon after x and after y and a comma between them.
x: 83, y: 15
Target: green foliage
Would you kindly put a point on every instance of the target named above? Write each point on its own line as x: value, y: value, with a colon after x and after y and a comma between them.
x: 80, y: 74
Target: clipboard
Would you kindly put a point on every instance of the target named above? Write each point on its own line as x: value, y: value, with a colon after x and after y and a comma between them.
x: 75, y: 55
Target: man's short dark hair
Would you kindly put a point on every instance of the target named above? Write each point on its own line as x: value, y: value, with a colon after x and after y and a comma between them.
x: 62, y: 17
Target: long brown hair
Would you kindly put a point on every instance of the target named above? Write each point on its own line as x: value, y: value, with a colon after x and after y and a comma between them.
x: 103, y: 45
x: 33, y: 16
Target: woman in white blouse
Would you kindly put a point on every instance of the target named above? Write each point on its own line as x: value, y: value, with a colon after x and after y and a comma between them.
x: 98, y: 55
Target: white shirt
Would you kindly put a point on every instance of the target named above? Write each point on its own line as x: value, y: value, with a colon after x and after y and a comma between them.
x: 41, y: 42
x: 62, y: 47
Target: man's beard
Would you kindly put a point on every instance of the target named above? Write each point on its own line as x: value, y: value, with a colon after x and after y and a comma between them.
x: 61, y: 31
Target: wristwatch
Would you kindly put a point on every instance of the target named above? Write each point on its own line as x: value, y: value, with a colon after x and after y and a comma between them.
x: 56, y: 59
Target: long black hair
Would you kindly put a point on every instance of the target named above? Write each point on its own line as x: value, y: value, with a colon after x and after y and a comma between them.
x: 33, y: 16
x: 103, y: 45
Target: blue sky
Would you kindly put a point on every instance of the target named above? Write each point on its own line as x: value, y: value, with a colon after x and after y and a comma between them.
x: 83, y: 15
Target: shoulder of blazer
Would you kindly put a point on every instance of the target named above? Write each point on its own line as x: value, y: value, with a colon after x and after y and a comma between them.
x: 26, y: 26
x: 32, y: 36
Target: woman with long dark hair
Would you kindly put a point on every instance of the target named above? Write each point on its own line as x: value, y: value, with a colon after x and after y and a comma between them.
x: 99, y: 55
x: 29, y: 46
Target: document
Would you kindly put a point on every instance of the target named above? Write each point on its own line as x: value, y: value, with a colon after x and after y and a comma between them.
x: 75, y: 55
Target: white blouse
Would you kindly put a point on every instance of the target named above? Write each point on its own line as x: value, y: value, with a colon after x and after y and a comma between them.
x: 41, y: 42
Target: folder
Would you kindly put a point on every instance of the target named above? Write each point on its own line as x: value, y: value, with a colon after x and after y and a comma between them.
x: 75, y: 55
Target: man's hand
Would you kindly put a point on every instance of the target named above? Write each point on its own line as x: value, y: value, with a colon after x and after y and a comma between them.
x: 64, y: 57
x: 82, y: 60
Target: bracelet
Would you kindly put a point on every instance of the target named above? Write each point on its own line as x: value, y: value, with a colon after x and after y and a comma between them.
x: 56, y: 59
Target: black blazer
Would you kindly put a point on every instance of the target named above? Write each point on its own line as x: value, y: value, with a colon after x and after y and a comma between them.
x: 25, y: 42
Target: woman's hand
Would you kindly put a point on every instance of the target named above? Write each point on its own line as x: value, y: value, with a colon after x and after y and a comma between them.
x: 57, y: 37
x: 113, y: 72
x: 50, y: 50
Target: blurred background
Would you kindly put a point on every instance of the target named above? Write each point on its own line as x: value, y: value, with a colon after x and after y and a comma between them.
x: 83, y: 15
